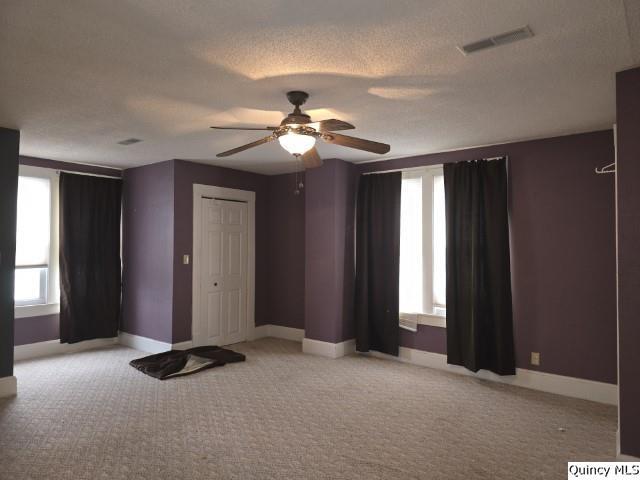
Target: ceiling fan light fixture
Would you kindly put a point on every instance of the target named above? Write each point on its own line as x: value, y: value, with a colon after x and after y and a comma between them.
x: 297, y: 134
x: 296, y: 144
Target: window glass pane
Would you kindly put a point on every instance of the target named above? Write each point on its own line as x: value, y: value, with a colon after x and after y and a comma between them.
x: 33, y: 225
x: 411, y: 246
x: 30, y: 286
x: 439, y: 244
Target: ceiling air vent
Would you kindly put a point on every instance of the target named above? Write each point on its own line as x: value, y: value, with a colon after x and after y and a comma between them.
x: 497, y: 40
x: 129, y: 141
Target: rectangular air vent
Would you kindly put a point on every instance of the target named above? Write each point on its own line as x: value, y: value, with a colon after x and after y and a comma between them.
x: 129, y: 141
x: 497, y: 40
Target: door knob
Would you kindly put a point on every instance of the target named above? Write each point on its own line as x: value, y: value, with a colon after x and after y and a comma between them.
x: 215, y: 284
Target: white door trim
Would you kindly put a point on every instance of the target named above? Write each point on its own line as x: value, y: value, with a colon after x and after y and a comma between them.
x: 199, y: 191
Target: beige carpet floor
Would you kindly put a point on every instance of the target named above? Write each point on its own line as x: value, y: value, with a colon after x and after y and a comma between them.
x: 285, y: 415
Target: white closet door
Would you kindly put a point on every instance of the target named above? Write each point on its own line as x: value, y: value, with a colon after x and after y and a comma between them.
x: 223, y: 271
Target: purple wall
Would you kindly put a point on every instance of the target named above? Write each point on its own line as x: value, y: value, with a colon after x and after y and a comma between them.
x: 158, y: 231
x: 427, y: 338
x: 329, y: 272
x: 36, y: 329
x: 147, y: 251
x: 47, y: 327
x: 286, y: 252
x: 628, y: 167
x: 563, y: 252
x: 186, y: 174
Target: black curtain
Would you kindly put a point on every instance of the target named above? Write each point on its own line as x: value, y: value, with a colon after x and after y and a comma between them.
x: 378, y: 263
x: 479, y: 315
x: 90, y: 275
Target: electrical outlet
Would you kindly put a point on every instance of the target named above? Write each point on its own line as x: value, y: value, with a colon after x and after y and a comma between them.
x: 535, y: 358
x: 185, y: 259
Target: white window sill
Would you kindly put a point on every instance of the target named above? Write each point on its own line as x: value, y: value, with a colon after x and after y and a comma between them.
x: 431, y: 320
x: 36, y: 310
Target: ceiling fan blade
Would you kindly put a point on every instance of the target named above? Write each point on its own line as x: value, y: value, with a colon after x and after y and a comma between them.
x: 268, y: 139
x: 331, y: 125
x: 244, y: 128
x: 357, y: 143
x: 311, y: 159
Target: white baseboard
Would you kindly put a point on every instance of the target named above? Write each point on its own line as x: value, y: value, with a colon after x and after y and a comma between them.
x: 286, y: 333
x: 328, y: 349
x: 150, y: 345
x: 546, y: 382
x: 261, y: 331
x: 143, y: 344
x: 182, y: 345
x: 277, y: 331
x: 8, y: 387
x: 627, y: 458
x: 54, y: 347
x: 137, y: 342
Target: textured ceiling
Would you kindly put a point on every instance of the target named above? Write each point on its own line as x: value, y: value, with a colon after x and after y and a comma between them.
x: 78, y: 76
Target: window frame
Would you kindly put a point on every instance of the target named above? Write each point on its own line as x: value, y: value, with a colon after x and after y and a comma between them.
x: 44, y: 285
x: 435, y: 318
x: 52, y: 305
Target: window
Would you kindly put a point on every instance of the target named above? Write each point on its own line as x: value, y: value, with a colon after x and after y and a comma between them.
x: 36, y: 274
x: 423, y: 247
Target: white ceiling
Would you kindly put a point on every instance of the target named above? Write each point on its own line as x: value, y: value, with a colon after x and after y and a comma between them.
x: 80, y: 75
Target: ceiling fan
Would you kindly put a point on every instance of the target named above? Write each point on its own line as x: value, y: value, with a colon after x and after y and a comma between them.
x: 297, y: 134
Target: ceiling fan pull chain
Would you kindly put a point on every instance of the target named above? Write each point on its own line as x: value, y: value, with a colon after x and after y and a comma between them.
x: 299, y: 183
x: 296, y: 191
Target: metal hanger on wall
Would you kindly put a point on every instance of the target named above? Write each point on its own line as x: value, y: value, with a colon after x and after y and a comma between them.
x: 611, y: 168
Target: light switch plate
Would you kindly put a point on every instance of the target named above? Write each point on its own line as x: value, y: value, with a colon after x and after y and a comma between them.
x: 185, y: 259
x: 535, y: 358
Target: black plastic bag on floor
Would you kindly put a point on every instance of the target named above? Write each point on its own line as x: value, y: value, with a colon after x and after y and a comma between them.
x: 177, y: 363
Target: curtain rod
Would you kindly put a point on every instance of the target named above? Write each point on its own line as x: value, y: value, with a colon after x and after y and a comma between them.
x: 87, y: 174
x: 409, y: 169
